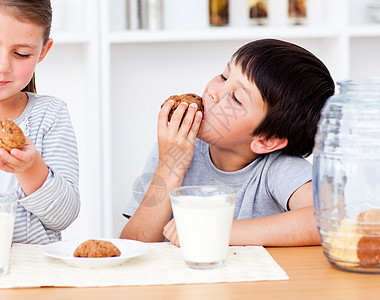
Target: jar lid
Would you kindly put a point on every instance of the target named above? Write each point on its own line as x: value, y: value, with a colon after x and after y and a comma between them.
x: 361, y: 80
x: 350, y: 121
x: 371, y: 84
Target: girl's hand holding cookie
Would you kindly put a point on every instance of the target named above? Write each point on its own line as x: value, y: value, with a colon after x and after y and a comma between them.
x: 27, y: 164
x: 19, y: 160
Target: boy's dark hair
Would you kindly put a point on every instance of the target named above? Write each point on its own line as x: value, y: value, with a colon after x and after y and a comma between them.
x: 294, y: 85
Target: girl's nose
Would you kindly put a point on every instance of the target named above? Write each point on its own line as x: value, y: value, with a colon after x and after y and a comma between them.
x: 5, y: 65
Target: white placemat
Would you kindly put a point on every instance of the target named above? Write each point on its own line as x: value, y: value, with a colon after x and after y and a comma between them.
x: 161, y: 265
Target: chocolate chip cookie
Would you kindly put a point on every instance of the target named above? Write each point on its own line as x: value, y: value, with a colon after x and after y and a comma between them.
x: 188, y: 98
x: 369, y: 251
x: 96, y: 248
x: 11, y: 136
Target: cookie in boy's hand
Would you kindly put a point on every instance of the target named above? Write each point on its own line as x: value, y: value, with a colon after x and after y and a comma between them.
x: 188, y: 98
x: 11, y: 136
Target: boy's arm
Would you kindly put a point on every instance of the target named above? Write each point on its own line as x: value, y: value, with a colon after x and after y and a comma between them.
x: 148, y: 221
x: 154, y: 212
x: 294, y: 228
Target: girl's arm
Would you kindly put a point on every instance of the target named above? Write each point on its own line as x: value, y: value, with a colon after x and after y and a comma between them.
x: 27, y: 165
x: 155, y: 210
x: 56, y: 202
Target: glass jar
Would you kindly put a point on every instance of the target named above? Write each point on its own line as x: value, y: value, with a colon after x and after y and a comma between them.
x: 346, y: 177
x: 258, y: 12
x: 297, y: 11
x: 218, y: 12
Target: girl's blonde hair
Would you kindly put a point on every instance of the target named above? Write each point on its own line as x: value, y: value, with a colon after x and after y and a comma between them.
x: 38, y: 12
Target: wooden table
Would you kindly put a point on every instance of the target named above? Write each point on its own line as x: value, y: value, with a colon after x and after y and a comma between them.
x: 311, y: 277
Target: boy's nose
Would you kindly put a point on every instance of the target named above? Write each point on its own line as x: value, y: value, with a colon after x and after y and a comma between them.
x: 214, y: 98
x: 215, y: 95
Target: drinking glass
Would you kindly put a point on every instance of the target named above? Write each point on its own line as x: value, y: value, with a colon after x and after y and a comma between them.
x: 203, y: 216
x: 8, y: 204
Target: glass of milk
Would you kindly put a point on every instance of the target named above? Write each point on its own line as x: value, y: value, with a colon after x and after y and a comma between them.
x: 8, y: 204
x: 203, y: 216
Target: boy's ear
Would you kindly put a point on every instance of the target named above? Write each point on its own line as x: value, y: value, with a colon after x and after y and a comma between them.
x: 45, y: 49
x: 260, y: 145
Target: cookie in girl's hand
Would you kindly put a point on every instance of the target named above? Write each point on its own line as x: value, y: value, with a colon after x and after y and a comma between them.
x: 11, y: 136
x: 188, y: 98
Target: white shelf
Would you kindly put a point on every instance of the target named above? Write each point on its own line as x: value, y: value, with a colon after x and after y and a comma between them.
x: 73, y: 37
x: 219, y: 34
x: 71, y: 72
x: 370, y: 30
x: 223, y: 34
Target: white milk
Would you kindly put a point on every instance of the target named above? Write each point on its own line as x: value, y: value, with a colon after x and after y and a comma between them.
x: 204, y: 227
x: 6, y: 233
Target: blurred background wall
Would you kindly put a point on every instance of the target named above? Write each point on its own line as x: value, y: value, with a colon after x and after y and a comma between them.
x: 114, y: 73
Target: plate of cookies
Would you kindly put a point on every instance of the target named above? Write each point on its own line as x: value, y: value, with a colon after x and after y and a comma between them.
x: 95, y: 253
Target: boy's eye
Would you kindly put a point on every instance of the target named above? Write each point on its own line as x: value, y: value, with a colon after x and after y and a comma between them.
x: 233, y: 94
x: 235, y: 99
x: 22, y: 55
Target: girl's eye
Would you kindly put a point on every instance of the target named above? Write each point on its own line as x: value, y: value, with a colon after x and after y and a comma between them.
x: 223, y: 77
x: 235, y: 99
x: 22, y: 55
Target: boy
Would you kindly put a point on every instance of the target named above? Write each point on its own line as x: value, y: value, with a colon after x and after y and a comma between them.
x: 260, y: 118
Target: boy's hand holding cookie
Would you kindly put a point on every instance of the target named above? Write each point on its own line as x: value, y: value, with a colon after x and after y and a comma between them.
x: 187, y: 98
x: 176, y: 140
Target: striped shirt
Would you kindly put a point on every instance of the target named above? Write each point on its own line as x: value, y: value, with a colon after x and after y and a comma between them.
x: 41, y: 216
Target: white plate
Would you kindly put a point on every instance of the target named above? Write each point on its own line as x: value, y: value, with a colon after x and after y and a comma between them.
x: 64, y: 251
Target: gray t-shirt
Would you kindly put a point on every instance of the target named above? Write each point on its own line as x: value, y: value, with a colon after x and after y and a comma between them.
x: 263, y: 187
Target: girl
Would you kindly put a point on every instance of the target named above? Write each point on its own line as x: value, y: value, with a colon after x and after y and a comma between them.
x: 44, y: 174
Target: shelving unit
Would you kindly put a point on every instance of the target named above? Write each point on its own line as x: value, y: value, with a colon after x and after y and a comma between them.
x: 224, y: 34
x: 125, y: 75
x: 364, y: 31
x: 62, y: 38
x: 71, y: 72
